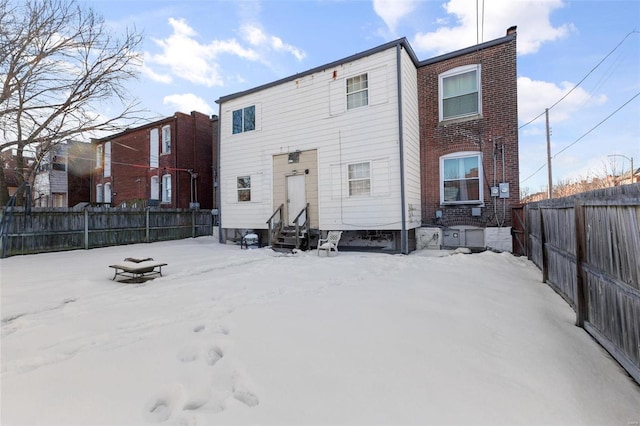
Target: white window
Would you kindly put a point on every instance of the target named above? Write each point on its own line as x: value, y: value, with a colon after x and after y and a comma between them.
x: 357, y: 91
x: 107, y: 159
x: 99, y: 193
x: 155, y: 188
x: 107, y: 192
x: 153, y: 148
x: 244, y: 188
x: 244, y: 120
x: 461, y: 178
x: 166, y: 139
x: 359, y: 176
x: 166, y: 188
x: 459, y: 92
x: 99, y: 152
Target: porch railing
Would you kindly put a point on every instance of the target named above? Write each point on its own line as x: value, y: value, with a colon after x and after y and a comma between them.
x: 274, y: 224
x: 304, y: 226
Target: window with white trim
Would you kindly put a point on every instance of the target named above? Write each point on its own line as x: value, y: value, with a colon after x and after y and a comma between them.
x: 99, y: 193
x: 99, y: 153
x: 153, y: 148
x: 107, y: 159
x: 459, y: 92
x: 166, y: 139
x: 155, y: 188
x: 244, y: 120
x: 357, y: 91
x: 359, y: 177
x: 461, y: 178
x: 244, y: 188
x: 166, y: 188
x: 107, y: 192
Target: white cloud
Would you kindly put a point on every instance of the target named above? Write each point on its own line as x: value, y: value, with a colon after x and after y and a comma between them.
x: 392, y: 11
x: 255, y: 36
x: 183, y: 56
x: 188, y: 102
x: 534, y: 96
x: 532, y: 18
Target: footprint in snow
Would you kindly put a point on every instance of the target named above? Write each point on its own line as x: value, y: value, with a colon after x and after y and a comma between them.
x: 161, y: 406
x: 214, y: 354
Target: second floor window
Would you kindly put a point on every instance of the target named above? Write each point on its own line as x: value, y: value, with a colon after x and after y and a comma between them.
x: 459, y: 91
x: 99, y: 153
x: 166, y: 139
x: 107, y: 159
x: 244, y: 120
x: 357, y: 91
x: 153, y: 148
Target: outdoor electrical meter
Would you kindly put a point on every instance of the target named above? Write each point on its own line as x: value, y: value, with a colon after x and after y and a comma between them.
x: 495, y: 191
x: 504, y: 190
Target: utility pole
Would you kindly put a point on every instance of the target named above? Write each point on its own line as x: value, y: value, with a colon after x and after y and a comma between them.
x: 550, y: 181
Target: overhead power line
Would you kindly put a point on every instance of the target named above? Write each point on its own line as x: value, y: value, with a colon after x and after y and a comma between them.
x: 583, y: 136
x: 581, y: 81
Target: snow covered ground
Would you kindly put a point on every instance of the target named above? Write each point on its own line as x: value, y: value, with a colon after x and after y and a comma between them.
x: 230, y: 336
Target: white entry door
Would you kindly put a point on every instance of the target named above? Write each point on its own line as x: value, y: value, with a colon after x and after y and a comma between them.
x: 296, y: 198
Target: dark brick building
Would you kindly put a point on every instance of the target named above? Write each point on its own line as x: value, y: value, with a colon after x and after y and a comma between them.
x: 167, y: 163
x: 469, y: 135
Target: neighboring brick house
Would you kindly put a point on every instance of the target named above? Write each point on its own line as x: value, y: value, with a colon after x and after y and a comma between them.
x: 63, y: 176
x: 10, y: 168
x: 469, y: 139
x: 167, y: 164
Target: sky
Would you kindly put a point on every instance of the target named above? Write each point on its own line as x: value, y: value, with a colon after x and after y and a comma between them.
x: 580, y: 59
x: 244, y: 337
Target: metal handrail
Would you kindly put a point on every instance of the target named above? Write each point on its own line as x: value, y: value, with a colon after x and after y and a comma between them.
x: 305, y: 225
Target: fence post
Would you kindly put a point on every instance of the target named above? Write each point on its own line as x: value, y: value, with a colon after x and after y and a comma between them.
x: 86, y: 229
x: 581, y: 254
x: 147, y: 225
x: 193, y: 223
x: 545, y: 256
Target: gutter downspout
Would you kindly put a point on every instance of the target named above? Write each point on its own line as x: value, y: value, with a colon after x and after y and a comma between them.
x: 219, y: 191
x: 404, y: 240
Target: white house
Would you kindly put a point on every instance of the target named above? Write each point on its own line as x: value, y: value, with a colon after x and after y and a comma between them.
x: 342, y: 138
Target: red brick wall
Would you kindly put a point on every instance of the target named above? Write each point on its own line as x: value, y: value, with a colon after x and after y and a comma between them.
x: 191, y: 149
x: 495, y: 132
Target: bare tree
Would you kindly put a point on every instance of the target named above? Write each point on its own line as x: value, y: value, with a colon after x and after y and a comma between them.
x: 59, y: 66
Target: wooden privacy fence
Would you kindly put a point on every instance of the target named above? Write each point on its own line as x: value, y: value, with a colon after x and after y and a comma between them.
x: 57, y: 229
x: 588, y: 248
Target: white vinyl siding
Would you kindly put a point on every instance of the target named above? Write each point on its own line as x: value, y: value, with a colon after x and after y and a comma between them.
x: 310, y: 113
x: 154, y: 148
x: 459, y: 92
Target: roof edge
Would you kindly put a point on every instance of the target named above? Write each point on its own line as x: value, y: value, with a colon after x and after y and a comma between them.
x: 403, y: 42
x: 505, y: 39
